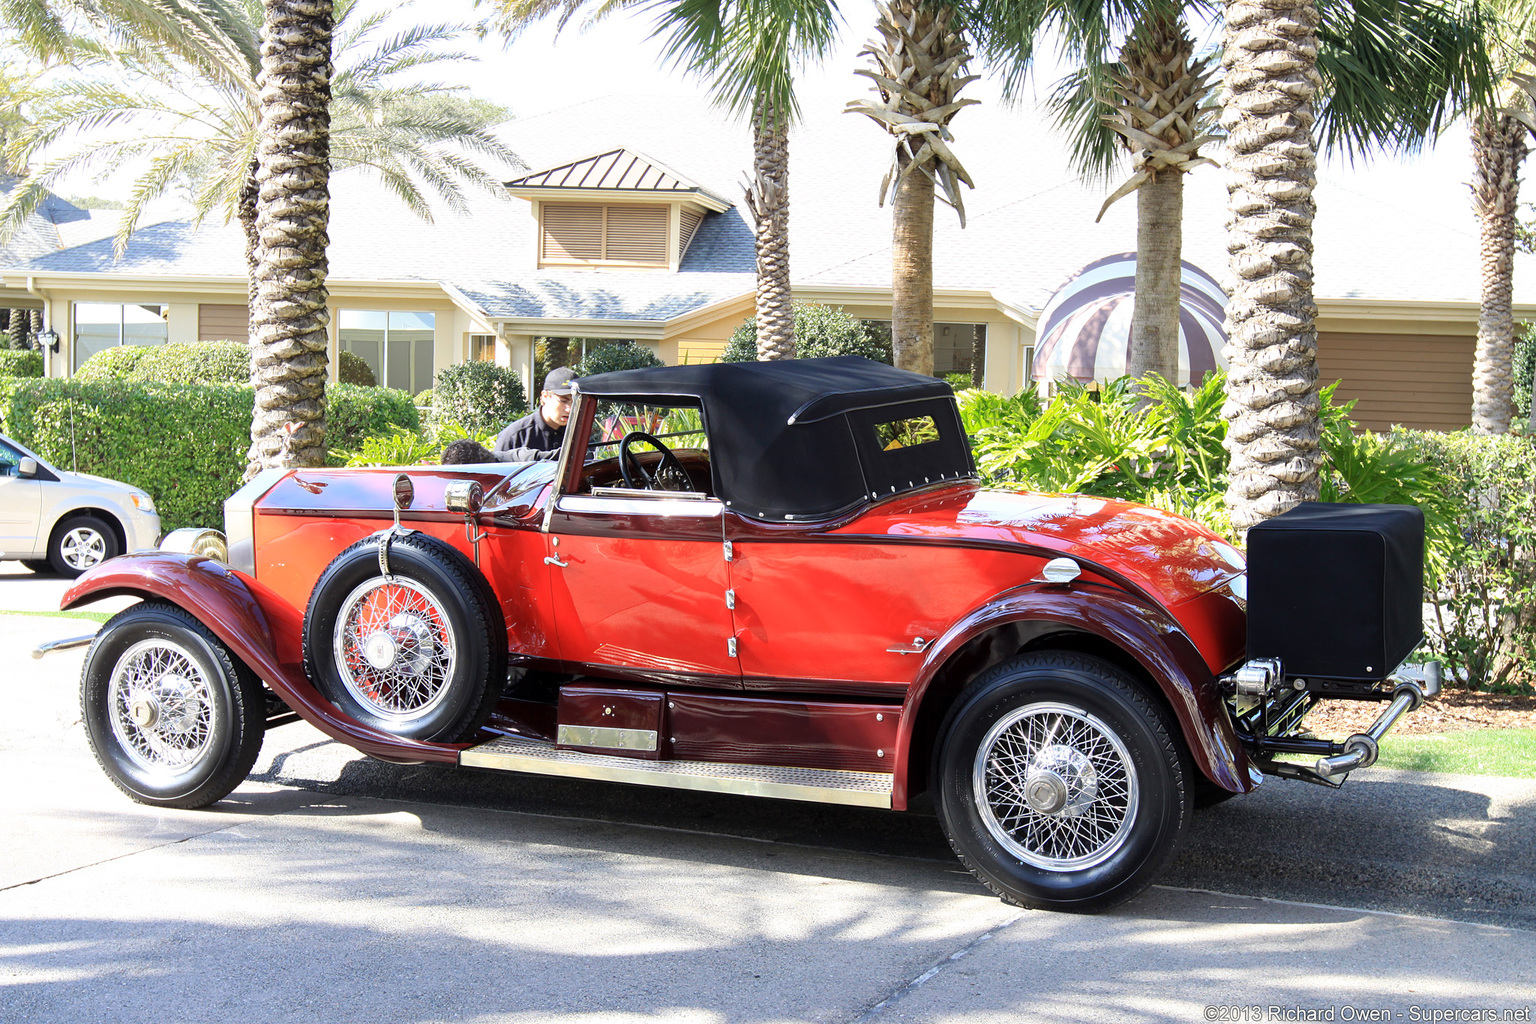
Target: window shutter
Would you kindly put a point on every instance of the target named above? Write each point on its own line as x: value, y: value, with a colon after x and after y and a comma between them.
x: 637, y: 234
x: 573, y: 232
x: 688, y: 223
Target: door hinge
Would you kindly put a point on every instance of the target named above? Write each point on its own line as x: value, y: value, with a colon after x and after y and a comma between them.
x: 730, y: 552
x: 730, y: 599
x: 730, y: 647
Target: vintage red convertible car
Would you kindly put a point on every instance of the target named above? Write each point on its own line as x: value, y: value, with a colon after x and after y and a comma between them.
x: 774, y: 579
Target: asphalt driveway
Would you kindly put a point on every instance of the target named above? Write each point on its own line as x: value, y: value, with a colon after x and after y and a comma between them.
x: 330, y: 887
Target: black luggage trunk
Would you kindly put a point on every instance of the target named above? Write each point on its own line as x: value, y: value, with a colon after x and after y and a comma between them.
x: 1336, y: 591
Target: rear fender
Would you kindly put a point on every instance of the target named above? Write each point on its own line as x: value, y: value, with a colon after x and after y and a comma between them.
x: 1141, y: 630
x: 247, y: 617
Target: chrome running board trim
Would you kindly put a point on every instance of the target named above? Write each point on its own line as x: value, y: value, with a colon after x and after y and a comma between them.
x: 514, y: 754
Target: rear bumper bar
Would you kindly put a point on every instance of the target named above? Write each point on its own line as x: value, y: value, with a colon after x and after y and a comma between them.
x: 1415, y: 685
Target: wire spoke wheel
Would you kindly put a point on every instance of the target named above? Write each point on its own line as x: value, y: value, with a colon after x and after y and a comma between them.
x: 395, y: 648
x: 1055, y: 786
x: 160, y: 705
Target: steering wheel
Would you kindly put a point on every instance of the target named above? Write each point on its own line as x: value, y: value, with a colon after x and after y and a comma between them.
x: 669, y: 476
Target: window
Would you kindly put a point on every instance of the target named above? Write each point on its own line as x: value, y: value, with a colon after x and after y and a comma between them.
x: 907, y: 433
x: 104, y: 325
x: 396, y: 345
x: 482, y: 348
x: 679, y: 427
x: 10, y: 460
x: 587, y: 233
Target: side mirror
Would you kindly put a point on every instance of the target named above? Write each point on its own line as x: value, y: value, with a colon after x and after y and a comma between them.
x: 27, y: 468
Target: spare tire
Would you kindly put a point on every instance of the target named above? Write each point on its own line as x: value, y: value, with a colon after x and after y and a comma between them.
x: 420, y: 653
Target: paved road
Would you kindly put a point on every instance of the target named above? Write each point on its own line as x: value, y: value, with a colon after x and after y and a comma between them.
x: 334, y: 888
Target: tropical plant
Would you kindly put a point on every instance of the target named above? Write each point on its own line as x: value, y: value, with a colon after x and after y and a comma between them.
x: 748, y: 51
x: 820, y: 330
x: 920, y: 65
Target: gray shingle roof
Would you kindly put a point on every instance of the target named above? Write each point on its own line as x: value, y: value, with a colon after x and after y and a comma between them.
x: 1031, y: 220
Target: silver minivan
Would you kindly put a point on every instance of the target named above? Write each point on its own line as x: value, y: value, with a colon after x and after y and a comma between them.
x: 56, y: 521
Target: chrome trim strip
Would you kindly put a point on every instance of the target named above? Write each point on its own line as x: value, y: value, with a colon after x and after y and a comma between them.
x: 858, y: 789
x: 600, y: 736
x: 62, y: 645
x: 643, y: 495
x: 682, y: 508
x: 240, y: 519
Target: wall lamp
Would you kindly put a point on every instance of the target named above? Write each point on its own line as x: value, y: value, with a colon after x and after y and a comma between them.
x: 48, y: 339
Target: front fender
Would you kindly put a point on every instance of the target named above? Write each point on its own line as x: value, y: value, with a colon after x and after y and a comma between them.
x: 1140, y: 628
x: 247, y: 618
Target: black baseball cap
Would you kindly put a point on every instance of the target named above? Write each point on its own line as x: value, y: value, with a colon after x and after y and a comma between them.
x: 558, y: 381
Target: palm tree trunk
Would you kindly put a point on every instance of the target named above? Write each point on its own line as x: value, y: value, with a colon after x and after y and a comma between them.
x: 1159, y: 246
x: 979, y: 355
x: 912, y: 273
x: 1498, y: 147
x: 768, y: 199
x: 289, y: 318
x: 1272, y: 407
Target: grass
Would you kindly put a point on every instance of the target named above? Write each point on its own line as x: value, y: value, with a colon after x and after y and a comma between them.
x: 92, y: 616
x: 1507, y: 752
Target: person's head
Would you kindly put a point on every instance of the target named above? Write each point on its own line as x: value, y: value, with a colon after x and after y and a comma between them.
x: 466, y: 452
x: 555, y: 399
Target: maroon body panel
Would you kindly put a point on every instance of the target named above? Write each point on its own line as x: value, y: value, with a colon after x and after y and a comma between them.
x: 602, y: 707
x: 1141, y: 629
x: 792, y: 733
x: 250, y: 620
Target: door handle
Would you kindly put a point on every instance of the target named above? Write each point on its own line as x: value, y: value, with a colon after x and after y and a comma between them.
x: 555, y: 560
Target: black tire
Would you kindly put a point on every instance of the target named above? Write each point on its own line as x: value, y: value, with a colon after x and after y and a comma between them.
x: 172, y: 718
x: 80, y: 543
x: 1060, y: 785
x: 38, y: 565
x: 438, y: 655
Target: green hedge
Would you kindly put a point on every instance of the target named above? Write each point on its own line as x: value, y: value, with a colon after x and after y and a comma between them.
x: 14, y: 363
x: 182, y: 362
x: 819, y: 331
x: 481, y: 397
x: 196, y: 435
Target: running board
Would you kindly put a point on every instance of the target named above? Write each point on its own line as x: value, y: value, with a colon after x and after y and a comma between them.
x: 514, y: 754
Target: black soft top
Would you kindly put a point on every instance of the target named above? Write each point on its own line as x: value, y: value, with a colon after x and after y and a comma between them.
x: 802, y: 438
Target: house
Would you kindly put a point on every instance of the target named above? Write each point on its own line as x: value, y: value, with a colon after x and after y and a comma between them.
x: 627, y: 223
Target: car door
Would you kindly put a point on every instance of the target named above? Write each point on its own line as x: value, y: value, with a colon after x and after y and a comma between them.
x: 21, y: 502
x: 638, y: 576
x: 640, y: 586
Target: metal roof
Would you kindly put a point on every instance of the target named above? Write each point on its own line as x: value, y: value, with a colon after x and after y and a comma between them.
x: 618, y: 170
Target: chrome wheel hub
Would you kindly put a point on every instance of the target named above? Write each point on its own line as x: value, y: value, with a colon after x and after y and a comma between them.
x: 395, y: 648
x: 160, y: 706
x: 1055, y: 786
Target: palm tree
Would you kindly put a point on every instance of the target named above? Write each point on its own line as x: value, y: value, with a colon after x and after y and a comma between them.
x: 1499, y: 147
x: 1387, y: 74
x: 289, y: 317
x: 192, y: 112
x: 748, y: 50
x: 919, y: 69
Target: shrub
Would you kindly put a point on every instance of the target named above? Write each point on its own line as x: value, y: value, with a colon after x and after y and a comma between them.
x: 198, y: 433
x: 819, y: 331
x: 1481, y: 569
x: 15, y: 363
x: 354, y: 369
x: 182, y: 362
x: 621, y: 355
x: 481, y: 396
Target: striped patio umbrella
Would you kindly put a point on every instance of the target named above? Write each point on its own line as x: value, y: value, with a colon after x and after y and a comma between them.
x: 1085, y: 329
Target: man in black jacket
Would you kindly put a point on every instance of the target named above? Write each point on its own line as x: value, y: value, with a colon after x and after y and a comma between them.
x: 544, y: 428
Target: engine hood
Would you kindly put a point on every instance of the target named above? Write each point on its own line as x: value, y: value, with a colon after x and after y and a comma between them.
x: 1165, y: 555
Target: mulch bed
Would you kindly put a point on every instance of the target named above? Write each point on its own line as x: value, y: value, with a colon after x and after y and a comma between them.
x: 1453, y: 710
